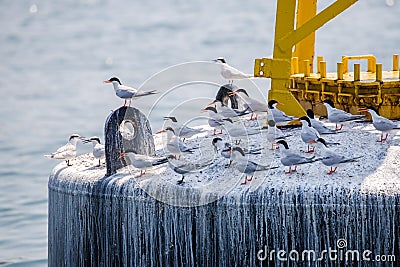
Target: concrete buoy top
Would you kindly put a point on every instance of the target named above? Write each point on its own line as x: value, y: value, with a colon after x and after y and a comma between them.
x: 211, y: 219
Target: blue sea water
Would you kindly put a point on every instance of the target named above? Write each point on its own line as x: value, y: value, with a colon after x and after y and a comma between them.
x: 55, y: 54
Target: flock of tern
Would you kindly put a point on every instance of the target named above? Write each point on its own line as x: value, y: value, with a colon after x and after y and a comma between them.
x: 224, y: 115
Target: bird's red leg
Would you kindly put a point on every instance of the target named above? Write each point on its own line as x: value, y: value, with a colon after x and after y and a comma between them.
x: 244, y: 182
x: 385, y: 137
x: 220, y: 131
x: 309, y: 150
x: 251, y: 117
x: 332, y: 170
x: 249, y: 179
x: 295, y: 169
x: 215, y: 132
x: 338, y: 129
x: 289, y: 171
x: 381, y: 139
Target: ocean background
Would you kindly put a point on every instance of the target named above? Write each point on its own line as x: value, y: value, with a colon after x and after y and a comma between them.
x: 55, y: 55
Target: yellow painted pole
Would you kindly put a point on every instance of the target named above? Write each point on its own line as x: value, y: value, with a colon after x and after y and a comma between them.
x: 286, y: 36
x: 285, y: 16
x: 304, y: 49
x: 357, y: 72
x: 322, y: 69
x: 295, y: 65
x: 307, y: 68
x: 378, y: 72
x: 295, y: 36
x: 340, y: 70
x: 395, y: 62
x: 319, y: 59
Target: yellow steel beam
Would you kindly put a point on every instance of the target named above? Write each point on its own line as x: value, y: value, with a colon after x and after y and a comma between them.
x: 285, y: 38
x: 295, y: 36
x: 304, y: 49
x: 280, y: 82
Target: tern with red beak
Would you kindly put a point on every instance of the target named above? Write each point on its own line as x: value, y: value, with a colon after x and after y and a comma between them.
x: 174, y: 144
x: 318, y: 125
x: 339, y: 116
x: 229, y: 72
x: 278, y: 115
x: 332, y: 159
x: 143, y: 162
x: 126, y: 92
x: 246, y: 166
x: 98, y: 148
x: 250, y: 103
x: 381, y: 123
x: 68, y: 151
x: 290, y: 158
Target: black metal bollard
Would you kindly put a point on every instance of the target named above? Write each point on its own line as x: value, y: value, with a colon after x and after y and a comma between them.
x: 126, y: 130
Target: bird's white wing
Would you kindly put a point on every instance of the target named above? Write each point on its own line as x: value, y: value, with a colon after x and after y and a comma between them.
x: 64, y: 152
x: 385, y: 123
x: 128, y: 88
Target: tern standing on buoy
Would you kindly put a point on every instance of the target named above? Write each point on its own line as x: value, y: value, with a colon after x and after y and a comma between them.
x: 126, y: 92
x: 332, y: 159
x: 99, y: 150
x: 339, y: 116
x: 381, y: 123
x: 68, y: 151
x: 230, y: 73
x: 246, y: 166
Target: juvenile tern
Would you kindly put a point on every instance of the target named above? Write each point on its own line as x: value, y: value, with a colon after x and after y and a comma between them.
x: 252, y: 104
x: 187, y: 167
x: 68, y: 151
x: 318, y: 125
x: 143, y: 162
x: 274, y: 134
x: 246, y: 166
x: 98, y: 148
x: 381, y: 123
x: 215, y: 120
x: 182, y: 130
x: 332, y: 159
x: 290, y: 158
x: 226, y: 111
x: 174, y: 144
x: 225, y: 147
x: 229, y: 72
x: 278, y: 115
x: 126, y: 92
x: 308, y: 134
x: 239, y: 130
x: 339, y: 116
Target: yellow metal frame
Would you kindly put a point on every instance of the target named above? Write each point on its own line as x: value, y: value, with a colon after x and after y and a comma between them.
x: 349, y: 90
x: 286, y: 36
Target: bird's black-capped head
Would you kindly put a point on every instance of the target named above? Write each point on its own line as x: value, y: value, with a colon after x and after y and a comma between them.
x: 306, y: 119
x: 113, y: 79
x: 329, y: 102
x: 284, y: 143
x: 272, y: 103
x: 310, y: 113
